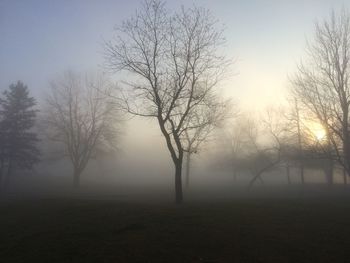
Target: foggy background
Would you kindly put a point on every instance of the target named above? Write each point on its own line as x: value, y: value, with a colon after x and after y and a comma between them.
x: 40, y: 39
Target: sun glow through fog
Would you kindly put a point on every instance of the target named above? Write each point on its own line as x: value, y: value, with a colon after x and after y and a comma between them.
x: 317, y: 131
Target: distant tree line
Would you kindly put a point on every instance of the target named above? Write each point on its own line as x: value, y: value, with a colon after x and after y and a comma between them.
x: 175, y: 65
x: 314, y: 131
x: 78, y: 115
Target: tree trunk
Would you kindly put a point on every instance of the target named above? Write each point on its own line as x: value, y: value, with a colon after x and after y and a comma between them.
x: 178, y: 182
x: 76, y: 178
x: 346, y: 157
x: 1, y: 173
x: 8, y: 174
x: 345, y: 178
x: 301, y: 155
x: 234, y: 171
x: 235, y: 175
x: 256, y: 176
x: 329, y: 172
x: 288, y: 174
x: 187, y: 171
x: 302, y: 177
x: 346, y: 139
x: 177, y: 160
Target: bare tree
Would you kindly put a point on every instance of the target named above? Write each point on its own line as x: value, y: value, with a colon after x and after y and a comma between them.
x: 201, y: 125
x: 266, y: 143
x: 321, y: 83
x: 176, y: 63
x: 233, y: 137
x: 300, y: 142
x: 256, y: 147
x: 81, y: 117
x: 307, y: 146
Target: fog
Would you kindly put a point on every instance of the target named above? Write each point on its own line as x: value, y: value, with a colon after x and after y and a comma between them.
x: 263, y: 52
x: 174, y: 131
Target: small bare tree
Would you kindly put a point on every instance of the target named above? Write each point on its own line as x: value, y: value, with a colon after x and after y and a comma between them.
x: 256, y: 147
x: 200, y: 126
x: 81, y: 117
x: 266, y: 147
x: 176, y: 63
x: 232, y: 139
x: 321, y: 83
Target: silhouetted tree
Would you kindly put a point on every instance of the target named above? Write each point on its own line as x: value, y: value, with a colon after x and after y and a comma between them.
x: 176, y: 63
x: 18, y: 141
x: 200, y: 126
x: 81, y: 117
x: 321, y: 84
x: 256, y: 147
x: 266, y: 143
x: 304, y: 147
x: 232, y: 139
x: 300, y: 141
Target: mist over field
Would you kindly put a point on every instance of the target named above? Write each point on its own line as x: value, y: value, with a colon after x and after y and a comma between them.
x: 174, y: 131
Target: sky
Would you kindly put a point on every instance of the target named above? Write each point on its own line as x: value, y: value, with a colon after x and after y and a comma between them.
x: 41, y: 39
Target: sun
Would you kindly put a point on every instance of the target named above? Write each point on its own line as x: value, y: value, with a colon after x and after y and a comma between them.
x: 317, y: 131
x: 320, y: 134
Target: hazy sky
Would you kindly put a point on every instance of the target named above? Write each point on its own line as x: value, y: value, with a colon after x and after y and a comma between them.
x: 40, y: 39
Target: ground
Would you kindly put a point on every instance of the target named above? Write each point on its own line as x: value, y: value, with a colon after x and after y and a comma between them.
x: 237, y: 230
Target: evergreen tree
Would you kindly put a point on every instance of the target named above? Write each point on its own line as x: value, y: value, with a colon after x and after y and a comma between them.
x: 18, y: 141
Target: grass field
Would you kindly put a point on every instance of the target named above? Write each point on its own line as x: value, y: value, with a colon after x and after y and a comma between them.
x: 237, y: 230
